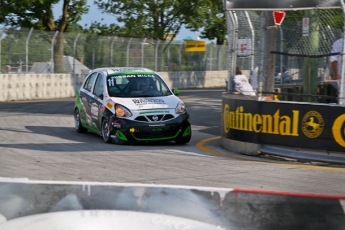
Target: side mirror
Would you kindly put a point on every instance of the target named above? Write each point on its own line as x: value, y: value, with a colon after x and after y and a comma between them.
x: 176, y: 91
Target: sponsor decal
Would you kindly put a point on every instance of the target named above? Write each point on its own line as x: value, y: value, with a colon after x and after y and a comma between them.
x: 110, y: 105
x: 286, y: 125
x: 312, y: 124
x: 102, y: 108
x: 149, y: 101
x: 157, y: 125
x: 94, y: 110
x: 129, y: 76
x: 157, y: 130
x: 116, y: 125
x: 129, y: 70
x: 338, y: 130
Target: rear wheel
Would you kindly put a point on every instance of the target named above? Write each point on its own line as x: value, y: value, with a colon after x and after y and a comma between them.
x: 78, y: 126
x: 106, y: 131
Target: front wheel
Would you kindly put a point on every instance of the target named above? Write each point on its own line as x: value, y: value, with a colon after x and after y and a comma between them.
x: 106, y: 131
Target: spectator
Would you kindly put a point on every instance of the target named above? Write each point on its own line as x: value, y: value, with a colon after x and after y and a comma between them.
x: 336, y: 60
x: 242, y: 84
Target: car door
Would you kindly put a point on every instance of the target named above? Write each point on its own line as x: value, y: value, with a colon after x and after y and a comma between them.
x: 97, y: 101
x: 86, y: 98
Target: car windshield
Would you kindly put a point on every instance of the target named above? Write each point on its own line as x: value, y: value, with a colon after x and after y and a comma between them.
x: 136, y: 85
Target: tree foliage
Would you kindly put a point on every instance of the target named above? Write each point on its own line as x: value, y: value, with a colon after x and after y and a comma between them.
x: 210, y: 18
x: 38, y: 14
x: 150, y: 18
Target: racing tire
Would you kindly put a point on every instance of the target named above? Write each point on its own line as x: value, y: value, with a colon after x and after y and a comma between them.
x: 78, y: 126
x: 105, y: 131
x: 183, y: 140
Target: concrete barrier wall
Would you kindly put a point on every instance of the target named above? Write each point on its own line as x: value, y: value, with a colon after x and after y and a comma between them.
x: 184, y: 80
x: 15, y: 87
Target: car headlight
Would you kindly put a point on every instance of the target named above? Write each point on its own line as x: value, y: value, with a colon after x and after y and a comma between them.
x: 180, y: 108
x: 122, y: 111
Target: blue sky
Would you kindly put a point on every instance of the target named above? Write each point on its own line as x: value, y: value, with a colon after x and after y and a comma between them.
x: 96, y: 15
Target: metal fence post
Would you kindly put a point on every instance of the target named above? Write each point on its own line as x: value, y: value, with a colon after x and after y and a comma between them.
x: 52, y: 51
x: 232, y: 22
x: 341, y: 97
x: 156, y: 54
x: 142, y: 52
x: 129, y: 43
x: 281, y: 56
x: 262, y: 53
x: 93, y: 52
x: 252, y: 40
x: 27, y: 50
x: 111, y: 50
x: 1, y: 32
x: 211, y: 56
x: 74, y: 48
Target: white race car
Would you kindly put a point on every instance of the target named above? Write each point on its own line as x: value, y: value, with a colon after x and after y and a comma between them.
x: 131, y: 105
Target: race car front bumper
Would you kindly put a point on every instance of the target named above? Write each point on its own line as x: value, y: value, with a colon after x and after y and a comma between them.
x: 136, y: 131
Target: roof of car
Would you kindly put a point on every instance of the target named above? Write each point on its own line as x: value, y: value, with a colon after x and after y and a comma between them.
x: 111, y: 70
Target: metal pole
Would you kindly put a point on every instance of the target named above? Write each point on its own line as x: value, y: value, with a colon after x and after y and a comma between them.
x: 111, y: 50
x: 341, y: 98
x: 211, y: 55
x: 129, y: 42
x: 1, y: 32
x: 93, y: 52
x: 180, y: 56
x: 262, y: 52
x: 27, y: 51
x: 252, y: 40
x: 156, y: 54
x: 281, y: 56
x: 74, y: 50
x: 142, y: 52
x: 233, y: 48
x: 168, y: 61
x: 52, y: 51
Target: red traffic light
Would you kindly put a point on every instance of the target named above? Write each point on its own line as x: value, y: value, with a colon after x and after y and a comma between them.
x: 278, y: 17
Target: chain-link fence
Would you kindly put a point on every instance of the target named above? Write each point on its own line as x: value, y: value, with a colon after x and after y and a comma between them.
x: 301, y: 50
x: 31, y: 51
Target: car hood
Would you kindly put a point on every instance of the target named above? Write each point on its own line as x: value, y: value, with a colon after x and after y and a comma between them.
x: 138, y: 103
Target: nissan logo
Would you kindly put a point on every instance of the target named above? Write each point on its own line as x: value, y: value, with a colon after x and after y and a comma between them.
x: 155, y: 118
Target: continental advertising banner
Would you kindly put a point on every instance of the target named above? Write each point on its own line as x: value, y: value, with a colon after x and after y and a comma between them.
x: 304, y: 125
x: 281, y: 5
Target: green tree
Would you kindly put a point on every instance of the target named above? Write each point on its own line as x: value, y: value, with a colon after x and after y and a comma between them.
x: 210, y: 18
x: 150, y: 18
x: 38, y: 14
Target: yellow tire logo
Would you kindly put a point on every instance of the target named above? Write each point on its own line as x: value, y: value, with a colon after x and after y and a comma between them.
x: 226, y: 118
x: 338, y: 130
x: 312, y: 124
